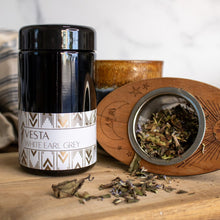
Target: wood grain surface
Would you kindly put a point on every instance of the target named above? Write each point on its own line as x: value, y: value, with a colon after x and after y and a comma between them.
x: 25, y: 196
x: 114, y: 111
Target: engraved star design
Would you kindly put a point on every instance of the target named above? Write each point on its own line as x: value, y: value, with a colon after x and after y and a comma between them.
x: 129, y: 153
x: 112, y: 111
x: 146, y: 86
x: 135, y: 91
x: 119, y: 147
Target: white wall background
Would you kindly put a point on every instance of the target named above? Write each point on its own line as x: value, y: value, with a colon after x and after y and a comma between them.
x: 183, y: 33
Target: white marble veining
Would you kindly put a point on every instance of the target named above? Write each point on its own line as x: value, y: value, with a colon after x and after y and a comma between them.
x: 183, y: 33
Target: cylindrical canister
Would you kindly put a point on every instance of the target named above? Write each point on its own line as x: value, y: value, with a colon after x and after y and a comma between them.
x: 57, y: 100
x: 111, y: 74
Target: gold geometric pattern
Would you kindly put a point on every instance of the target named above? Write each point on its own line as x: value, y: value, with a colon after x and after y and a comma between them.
x: 33, y: 152
x: 33, y: 119
x: 63, y: 156
x: 23, y: 158
x: 63, y: 121
x: 47, y: 165
x: 54, y: 158
x: 46, y: 120
x: 88, y: 155
x: 79, y: 158
x: 77, y: 120
x: 77, y: 166
x: 67, y: 120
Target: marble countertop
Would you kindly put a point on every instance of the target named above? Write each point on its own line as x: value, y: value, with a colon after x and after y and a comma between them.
x: 185, y: 34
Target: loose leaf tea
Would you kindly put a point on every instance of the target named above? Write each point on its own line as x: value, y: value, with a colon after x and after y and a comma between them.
x: 181, y: 191
x: 124, y: 189
x: 130, y: 190
x: 85, y: 196
x: 168, y: 133
x: 68, y: 188
x: 135, y: 164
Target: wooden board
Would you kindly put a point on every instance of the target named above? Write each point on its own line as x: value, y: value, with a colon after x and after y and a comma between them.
x: 25, y: 196
x: 114, y: 111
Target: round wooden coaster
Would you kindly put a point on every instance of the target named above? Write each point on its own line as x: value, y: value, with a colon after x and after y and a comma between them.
x: 115, y: 109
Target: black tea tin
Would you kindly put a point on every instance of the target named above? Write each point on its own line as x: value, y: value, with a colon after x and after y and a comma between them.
x: 57, y: 100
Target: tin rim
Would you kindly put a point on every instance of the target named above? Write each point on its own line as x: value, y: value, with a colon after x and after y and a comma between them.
x: 144, y: 101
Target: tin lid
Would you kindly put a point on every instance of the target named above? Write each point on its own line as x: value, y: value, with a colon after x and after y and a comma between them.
x: 57, y: 37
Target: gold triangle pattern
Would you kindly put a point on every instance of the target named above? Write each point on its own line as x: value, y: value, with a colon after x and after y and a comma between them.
x: 33, y: 119
x: 36, y: 166
x: 90, y: 118
x: 77, y: 120
x: 46, y: 120
x: 79, y: 158
x: 89, y: 156
x: 77, y: 166
x: 50, y: 114
x: 47, y: 164
x: 23, y: 161
x: 33, y: 116
x: 63, y: 120
x: 33, y: 152
x: 63, y: 156
x: 57, y: 120
x: 47, y: 168
x: 23, y: 158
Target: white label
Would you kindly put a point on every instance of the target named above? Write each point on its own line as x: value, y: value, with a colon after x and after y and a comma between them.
x: 49, y: 141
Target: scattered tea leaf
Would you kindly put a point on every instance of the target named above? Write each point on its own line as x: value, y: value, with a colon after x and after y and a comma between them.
x: 124, y: 191
x: 109, y: 185
x: 81, y: 201
x: 85, y: 196
x: 181, y: 191
x: 168, y: 189
x: 116, y: 201
x: 68, y: 188
x: 191, y: 193
x: 131, y: 200
x: 134, y: 165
